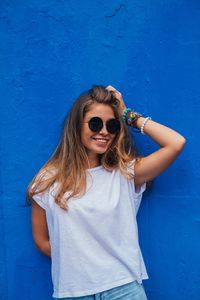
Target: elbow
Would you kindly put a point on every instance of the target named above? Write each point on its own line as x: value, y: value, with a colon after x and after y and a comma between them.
x: 38, y: 246
x: 44, y: 247
x: 180, y: 144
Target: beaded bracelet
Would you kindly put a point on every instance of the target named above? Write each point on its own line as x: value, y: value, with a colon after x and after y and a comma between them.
x: 130, y: 117
x: 125, y: 113
x: 143, y: 124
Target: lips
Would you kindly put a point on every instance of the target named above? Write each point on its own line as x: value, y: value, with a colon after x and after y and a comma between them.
x: 101, y: 140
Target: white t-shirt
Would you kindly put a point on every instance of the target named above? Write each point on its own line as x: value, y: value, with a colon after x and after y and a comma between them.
x: 94, y: 245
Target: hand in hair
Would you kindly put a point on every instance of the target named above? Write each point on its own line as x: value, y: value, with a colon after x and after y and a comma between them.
x: 117, y: 95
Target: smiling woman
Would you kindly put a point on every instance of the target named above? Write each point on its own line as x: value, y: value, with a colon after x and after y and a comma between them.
x: 95, y: 135
x: 87, y: 195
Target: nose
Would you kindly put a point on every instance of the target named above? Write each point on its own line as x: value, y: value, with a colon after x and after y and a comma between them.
x: 103, y: 129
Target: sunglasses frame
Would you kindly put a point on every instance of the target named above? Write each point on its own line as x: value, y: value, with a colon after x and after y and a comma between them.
x: 101, y: 124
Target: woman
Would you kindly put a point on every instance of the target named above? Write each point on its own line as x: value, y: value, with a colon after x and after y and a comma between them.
x: 87, y: 195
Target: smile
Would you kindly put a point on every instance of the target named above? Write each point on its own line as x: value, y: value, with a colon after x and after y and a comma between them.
x: 101, y: 140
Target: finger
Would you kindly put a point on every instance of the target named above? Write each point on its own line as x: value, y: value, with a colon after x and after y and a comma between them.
x: 110, y: 88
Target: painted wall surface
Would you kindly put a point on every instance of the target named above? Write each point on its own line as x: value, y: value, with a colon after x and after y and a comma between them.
x: 51, y: 51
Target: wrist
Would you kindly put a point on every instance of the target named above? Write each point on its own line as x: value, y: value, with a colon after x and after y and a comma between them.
x: 132, y: 117
x: 135, y: 119
x: 139, y: 122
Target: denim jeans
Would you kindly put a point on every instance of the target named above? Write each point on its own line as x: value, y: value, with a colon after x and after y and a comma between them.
x: 129, y: 291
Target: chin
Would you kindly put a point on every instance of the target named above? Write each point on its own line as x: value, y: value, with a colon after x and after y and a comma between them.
x: 101, y: 150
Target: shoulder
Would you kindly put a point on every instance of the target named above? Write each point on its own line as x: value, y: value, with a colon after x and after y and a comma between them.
x: 44, y: 175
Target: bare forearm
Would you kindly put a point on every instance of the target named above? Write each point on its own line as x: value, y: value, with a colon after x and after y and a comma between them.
x: 162, y: 135
x: 45, y: 248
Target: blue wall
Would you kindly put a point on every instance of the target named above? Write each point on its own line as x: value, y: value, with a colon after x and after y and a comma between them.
x: 51, y: 51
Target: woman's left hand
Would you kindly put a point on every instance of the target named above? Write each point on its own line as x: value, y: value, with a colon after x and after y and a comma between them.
x: 118, y: 95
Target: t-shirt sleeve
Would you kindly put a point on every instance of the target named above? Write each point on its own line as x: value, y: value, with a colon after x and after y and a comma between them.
x: 137, y: 191
x: 41, y: 198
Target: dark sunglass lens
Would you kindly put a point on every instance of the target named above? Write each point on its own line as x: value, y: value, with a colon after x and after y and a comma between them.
x: 95, y: 124
x: 113, y: 126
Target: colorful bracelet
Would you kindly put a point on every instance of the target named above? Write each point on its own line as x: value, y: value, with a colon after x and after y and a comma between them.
x: 125, y: 113
x: 132, y: 117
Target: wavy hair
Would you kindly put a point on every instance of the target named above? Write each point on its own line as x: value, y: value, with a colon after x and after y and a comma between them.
x: 67, y: 165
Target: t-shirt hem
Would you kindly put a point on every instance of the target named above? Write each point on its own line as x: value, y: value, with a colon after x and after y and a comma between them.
x: 97, y: 290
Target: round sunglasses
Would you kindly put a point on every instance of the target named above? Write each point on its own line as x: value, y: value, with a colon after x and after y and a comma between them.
x: 112, y: 125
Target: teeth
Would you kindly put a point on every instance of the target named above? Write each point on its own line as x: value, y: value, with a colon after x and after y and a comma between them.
x: 101, y: 140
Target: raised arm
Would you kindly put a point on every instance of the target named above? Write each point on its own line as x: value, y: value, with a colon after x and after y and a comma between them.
x: 171, y: 144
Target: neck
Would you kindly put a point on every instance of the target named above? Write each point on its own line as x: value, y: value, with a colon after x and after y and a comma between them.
x: 93, y: 161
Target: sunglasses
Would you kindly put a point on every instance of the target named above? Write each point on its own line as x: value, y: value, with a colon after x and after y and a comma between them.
x: 112, y: 125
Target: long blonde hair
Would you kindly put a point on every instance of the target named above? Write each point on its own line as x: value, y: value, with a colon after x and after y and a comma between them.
x: 69, y: 161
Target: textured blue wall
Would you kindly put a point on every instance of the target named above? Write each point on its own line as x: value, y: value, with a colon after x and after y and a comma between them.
x: 53, y: 50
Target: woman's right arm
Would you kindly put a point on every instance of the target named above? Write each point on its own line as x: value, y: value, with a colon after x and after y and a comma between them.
x: 40, y: 229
